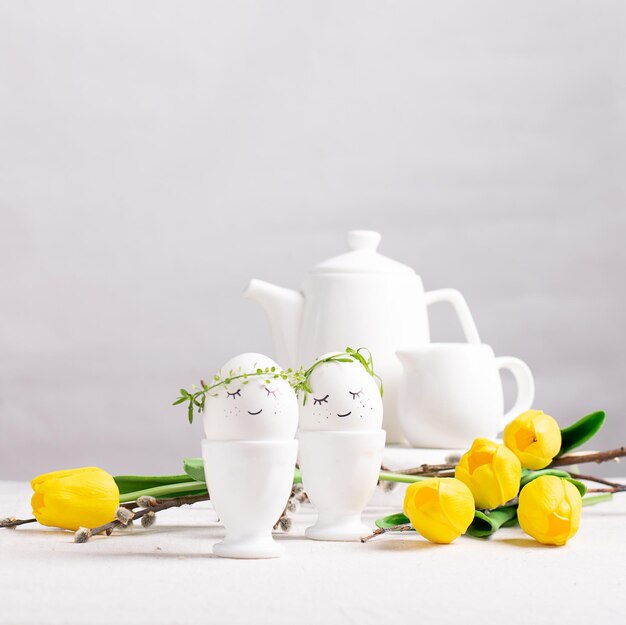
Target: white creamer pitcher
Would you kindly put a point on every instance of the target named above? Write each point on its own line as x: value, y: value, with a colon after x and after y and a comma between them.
x: 358, y: 299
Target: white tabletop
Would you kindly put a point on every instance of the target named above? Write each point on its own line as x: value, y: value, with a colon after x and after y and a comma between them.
x: 166, y: 574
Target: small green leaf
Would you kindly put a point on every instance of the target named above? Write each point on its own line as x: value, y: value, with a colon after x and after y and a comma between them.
x: 180, y: 400
x: 392, y: 520
x: 184, y: 393
x: 190, y: 412
x: 580, y: 432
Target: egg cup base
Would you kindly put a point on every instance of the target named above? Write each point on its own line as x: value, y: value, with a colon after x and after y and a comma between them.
x: 349, y: 528
x: 257, y: 547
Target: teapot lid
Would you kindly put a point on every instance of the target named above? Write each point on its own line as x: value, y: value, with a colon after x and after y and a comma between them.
x: 362, y: 257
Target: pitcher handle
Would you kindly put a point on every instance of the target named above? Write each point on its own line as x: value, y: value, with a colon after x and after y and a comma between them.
x: 454, y: 297
x: 525, y: 386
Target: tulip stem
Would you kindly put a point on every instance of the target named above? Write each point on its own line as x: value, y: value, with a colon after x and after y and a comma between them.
x: 594, y: 499
x: 398, y: 476
x: 383, y: 530
x: 12, y: 523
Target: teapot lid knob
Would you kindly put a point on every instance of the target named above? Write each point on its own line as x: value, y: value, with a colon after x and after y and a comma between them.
x: 363, y: 240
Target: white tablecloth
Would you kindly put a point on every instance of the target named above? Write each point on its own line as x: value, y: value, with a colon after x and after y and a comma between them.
x: 166, y: 574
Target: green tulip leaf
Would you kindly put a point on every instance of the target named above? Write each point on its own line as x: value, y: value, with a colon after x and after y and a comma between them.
x: 580, y: 432
x: 167, y: 491
x: 582, y: 489
x: 194, y: 468
x: 533, y: 475
x: 132, y: 483
x: 392, y: 520
x: 486, y: 522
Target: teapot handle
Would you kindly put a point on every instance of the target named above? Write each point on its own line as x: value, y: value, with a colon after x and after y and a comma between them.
x: 525, y: 386
x: 459, y: 304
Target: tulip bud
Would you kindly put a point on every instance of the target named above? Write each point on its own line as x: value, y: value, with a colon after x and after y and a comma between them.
x: 549, y: 510
x: 491, y: 471
x: 440, y: 509
x: 534, y: 437
x: 75, y: 498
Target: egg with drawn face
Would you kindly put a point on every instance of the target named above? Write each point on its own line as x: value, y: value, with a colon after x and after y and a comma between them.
x: 257, y: 408
x: 344, y: 397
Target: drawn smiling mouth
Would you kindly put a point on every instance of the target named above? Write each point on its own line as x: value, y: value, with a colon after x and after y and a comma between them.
x: 344, y: 415
x: 255, y: 413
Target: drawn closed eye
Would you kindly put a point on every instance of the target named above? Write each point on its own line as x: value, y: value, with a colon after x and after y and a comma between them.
x: 237, y: 393
x: 319, y: 402
x: 272, y: 393
x: 357, y: 394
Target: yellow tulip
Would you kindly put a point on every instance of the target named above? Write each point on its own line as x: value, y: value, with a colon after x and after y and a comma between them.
x: 74, y: 498
x: 440, y: 509
x: 549, y: 510
x: 491, y: 471
x: 534, y: 437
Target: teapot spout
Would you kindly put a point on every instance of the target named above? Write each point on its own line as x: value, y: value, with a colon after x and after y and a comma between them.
x: 283, y: 308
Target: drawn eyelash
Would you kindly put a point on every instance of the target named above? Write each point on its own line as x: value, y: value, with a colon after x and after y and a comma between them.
x: 233, y: 395
x: 272, y: 393
x: 357, y: 394
x: 319, y: 402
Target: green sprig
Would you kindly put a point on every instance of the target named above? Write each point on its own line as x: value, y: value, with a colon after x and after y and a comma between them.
x: 297, y: 379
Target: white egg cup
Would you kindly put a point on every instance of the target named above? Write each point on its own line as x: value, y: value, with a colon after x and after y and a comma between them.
x: 249, y: 483
x: 340, y: 470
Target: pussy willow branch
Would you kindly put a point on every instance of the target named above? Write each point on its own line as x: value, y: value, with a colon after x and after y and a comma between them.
x: 599, y: 480
x: 161, y: 504
x: 567, y: 459
x: 589, y: 456
x: 398, y: 528
x: 11, y: 523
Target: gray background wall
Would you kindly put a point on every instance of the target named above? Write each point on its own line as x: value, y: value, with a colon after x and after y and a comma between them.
x: 156, y: 155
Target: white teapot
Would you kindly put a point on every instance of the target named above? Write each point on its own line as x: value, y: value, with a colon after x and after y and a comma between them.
x: 358, y: 299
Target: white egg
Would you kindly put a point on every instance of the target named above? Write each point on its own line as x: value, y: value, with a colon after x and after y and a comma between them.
x: 344, y: 397
x: 259, y: 408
